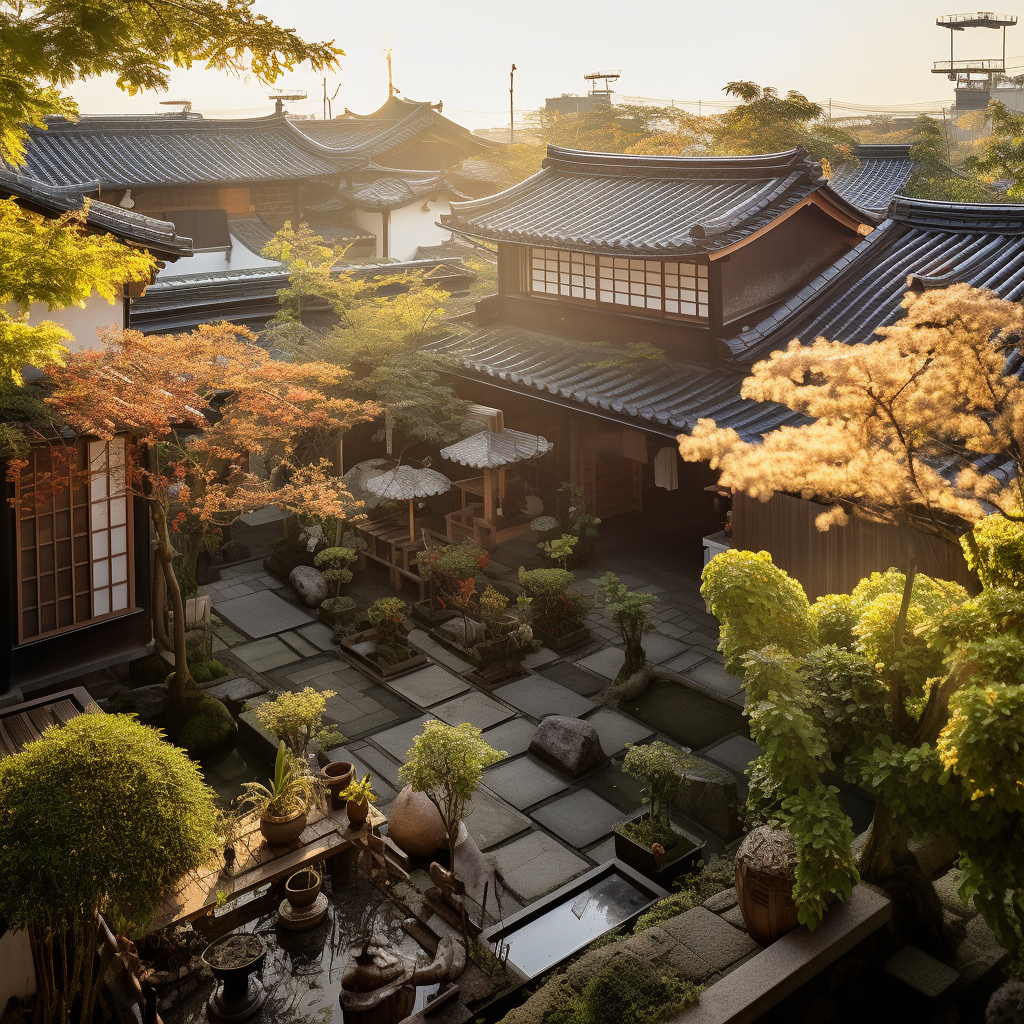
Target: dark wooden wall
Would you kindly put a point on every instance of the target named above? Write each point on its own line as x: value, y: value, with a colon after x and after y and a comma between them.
x: 836, y: 561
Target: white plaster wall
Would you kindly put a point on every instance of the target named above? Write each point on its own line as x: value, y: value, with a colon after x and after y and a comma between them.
x: 17, y: 976
x: 370, y: 220
x: 412, y: 226
x: 82, y: 322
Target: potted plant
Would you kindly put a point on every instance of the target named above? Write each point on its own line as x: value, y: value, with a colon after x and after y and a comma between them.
x: 358, y: 796
x: 558, y: 611
x: 232, y: 960
x: 507, y: 639
x: 336, y: 776
x: 577, y: 521
x: 630, y: 610
x: 283, y: 805
x: 333, y: 564
x: 297, y: 718
x: 650, y: 843
x: 303, y: 887
x: 382, y: 651
x: 451, y: 571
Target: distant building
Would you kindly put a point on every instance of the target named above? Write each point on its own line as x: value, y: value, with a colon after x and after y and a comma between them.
x: 570, y: 103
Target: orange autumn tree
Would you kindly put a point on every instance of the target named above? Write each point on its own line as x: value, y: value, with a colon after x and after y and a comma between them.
x: 205, y: 408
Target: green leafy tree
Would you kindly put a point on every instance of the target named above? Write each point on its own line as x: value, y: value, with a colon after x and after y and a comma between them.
x: 933, y: 176
x: 447, y: 763
x: 99, y: 817
x: 1004, y: 153
x: 631, y: 611
x: 663, y: 768
x: 295, y: 717
x: 912, y: 689
x: 995, y: 551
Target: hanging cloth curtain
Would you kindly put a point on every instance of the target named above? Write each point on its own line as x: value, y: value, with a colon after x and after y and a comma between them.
x: 666, y: 469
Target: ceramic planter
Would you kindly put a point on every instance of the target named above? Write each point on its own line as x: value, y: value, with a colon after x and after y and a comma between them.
x: 336, y: 776
x: 765, y: 875
x: 564, y: 643
x: 233, y: 960
x: 358, y: 649
x: 280, y: 830
x: 358, y: 812
x: 676, y: 861
x: 303, y: 887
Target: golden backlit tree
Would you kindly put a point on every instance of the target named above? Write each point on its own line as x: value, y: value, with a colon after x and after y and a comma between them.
x: 205, y: 408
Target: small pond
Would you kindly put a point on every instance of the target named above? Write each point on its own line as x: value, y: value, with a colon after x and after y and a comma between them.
x: 303, y: 970
x: 688, y: 717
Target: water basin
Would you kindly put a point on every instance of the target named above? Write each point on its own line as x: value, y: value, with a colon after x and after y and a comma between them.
x: 688, y: 717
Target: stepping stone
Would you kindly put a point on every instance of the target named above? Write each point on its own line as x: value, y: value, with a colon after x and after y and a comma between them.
x: 682, y: 663
x: 300, y: 644
x: 735, y: 753
x: 426, y: 643
x: 581, y: 818
x: 429, y: 686
x: 476, y: 708
x: 380, y: 764
x: 398, y: 740
x: 542, y: 657
x: 712, y: 675
x: 523, y: 782
x: 603, y: 851
x: 262, y: 614
x: 319, y: 634
x: 618, y: 788
x: 512, y: 737
x: 605, y: 662
x: 538, y: 697
x: 490, y: 821
x: 235, y: 689
x: 264, y: 655
x: 922, y: 973
x: 617, y: 729
x: 574, y: 678
x: 537, y: 864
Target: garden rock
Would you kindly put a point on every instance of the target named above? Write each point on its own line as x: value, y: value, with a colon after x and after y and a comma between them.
x: 147, y: 701
x: 465, y: 632
x: 209, y: 729
x: 569, y: 744
x: 711, y: 799
x: 234, y: 551
x: 309, y: 584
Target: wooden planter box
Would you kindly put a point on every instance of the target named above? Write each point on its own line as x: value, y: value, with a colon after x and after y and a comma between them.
x: 334, y: 618
x: 566, y: 643
x: 476, y: 677
x: 369, y: 666
x: 281, y: 567
x: 424, y: 613
x: 677, y: 861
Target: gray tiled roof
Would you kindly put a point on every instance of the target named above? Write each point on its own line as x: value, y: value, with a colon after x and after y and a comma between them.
x: 877, y: 179
x: 392, y: 189
x: 981, y: 244
x: 159, y: 236
x: 667, y: 396
x: 644, y: 205
x: 173, y: 149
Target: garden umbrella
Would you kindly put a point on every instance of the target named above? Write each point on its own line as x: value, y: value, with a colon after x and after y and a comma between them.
x: 488, y: 451
x: 406, y: 483
x: 355, y: 480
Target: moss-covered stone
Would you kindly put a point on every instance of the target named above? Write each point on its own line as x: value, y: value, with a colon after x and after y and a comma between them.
x: 208, y: 728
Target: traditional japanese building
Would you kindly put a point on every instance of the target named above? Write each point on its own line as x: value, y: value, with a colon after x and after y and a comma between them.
x: 680, y: 253
x: 878, y: 176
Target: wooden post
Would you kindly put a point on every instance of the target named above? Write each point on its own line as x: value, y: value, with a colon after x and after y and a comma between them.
x: 489, y: 496
x: 412, y: 525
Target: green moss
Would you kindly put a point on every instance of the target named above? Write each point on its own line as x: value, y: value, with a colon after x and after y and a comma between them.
x: 206, y: 670
x: 208, y: 728
x: 714, y: 877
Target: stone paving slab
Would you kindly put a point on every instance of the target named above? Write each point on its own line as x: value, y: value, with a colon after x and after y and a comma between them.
x: 398, y: 739
x: 734, y: 752
x: 264, y: 655
x: 574, y: 678
x: 714, y: 677
x: 603, y: 851
x: 616, y: 729
x: 605, y: 662
x: 580, y: 818
x: 429, y: 685
x: 682, y: 663
x: 538, y: 697
x: 475, y: 707
x: 536, y: 864
x: 380, y: 764
x: 300, y: 644
x: 491, y: 822
x: 235, y: 689
x: 319, y: 634
x: 544, y: 656
x: 661, y: 648
x: 438, y: 651
x: 262, y: 614
x: 618, y: 788
x: 513, y: 737
x: 523, y: 782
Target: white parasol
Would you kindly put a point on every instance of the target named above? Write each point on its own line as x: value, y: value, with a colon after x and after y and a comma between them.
x: 407, y: 483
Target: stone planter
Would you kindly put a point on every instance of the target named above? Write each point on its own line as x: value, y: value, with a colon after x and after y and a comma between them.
x: 359, y: 650
x: 665, y: 869
x: 336, y: 776
x: 281, y: 567
x: 765, y: 875
x: 565, y: 643
x: 234, y: 960
x: 279, y: 831
x: 336, y: 617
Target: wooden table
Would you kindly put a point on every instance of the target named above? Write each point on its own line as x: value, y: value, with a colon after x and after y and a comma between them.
x: 388, y: 543
x: 257, y: 863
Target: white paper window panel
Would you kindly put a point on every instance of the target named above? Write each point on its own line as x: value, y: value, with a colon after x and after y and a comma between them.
x: 119, y: 569
x: 100, y: 545
x: 119, y: 597
x: 100, y: 574
x: 101, y: 602
x: 118, y: 511
x: 119, y: 540
x: 99, y: 515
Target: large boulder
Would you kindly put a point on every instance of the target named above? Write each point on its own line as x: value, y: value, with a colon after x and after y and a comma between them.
x: 208, y: 729
x: 415, y: 824
x: 309, y: 584
x: 570, y: 744
x: 146, y: 701
x: 711, y: 799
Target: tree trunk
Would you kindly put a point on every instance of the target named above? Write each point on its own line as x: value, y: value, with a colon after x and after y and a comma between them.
x: 181, y: 682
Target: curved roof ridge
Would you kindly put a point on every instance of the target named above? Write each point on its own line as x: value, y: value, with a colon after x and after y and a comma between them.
x: 936, y: 213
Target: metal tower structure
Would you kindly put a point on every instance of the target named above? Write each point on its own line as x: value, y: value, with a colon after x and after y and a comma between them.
x: 974, y: 77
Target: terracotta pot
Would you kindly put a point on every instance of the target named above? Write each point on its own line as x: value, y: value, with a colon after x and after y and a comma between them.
x: 765, y: 875
x: 415, y: 824
x: 357, y: 812
x: 303, y: 887
x: 337, y: 775
x: 278, y: 831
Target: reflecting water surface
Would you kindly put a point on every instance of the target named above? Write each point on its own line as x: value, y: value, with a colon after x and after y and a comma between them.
x: 688, y: 717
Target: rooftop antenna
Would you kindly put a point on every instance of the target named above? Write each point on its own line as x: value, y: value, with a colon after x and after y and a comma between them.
x: 602, y: 96
x: 186, y: 105
x: 280, y: 95
x: 973, y: 75
x: 511, y: 105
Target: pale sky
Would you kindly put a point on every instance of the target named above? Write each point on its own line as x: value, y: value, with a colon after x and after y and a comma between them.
x: 871, y: 52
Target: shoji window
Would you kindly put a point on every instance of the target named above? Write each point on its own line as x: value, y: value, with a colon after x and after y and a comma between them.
x: 686, y: 289
x: 73, y: 538
x: 557, y: 272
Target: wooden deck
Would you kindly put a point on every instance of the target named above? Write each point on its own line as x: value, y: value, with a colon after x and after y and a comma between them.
x: 257, y: 864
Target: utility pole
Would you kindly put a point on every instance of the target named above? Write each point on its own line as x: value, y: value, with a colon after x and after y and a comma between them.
x: 325, y: 98
x: 511, y: 104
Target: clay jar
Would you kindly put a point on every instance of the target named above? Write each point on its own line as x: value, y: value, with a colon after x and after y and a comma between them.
x: 765, y: 875
x: 415, y: 824
x: 303, y: 887
x: 357, y: 811
x: 278, y: 831
x: 336, y: 776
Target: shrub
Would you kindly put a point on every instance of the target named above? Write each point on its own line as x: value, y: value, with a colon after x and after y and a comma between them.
x: 387, y: 616
x: 333, y: 563
x: 295, y: 717
x: 557, y: 610
x: 631, y: 612
x: 663, y: 769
